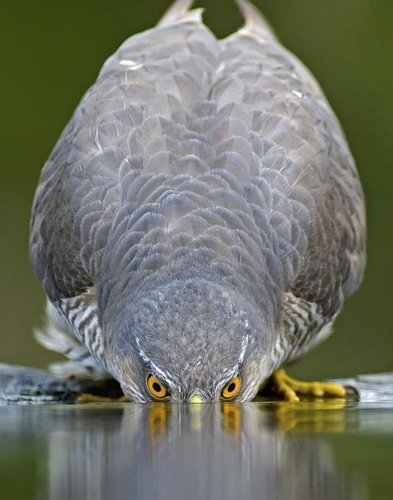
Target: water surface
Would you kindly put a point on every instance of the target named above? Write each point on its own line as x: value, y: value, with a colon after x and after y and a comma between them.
x: 161, y: 451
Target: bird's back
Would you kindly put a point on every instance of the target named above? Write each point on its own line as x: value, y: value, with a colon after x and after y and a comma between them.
x: 216, y: 150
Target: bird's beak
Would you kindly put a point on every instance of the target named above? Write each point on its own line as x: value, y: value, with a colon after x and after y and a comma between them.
x: 196, y: 398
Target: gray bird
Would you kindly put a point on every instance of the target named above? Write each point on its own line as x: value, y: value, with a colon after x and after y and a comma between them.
x: 200, y: 222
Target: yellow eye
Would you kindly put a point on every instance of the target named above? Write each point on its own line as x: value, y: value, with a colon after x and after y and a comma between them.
x: 231, y: 390
x: 156, y: 388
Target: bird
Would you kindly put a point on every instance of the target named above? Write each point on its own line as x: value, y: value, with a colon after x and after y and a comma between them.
x: 200, y: 222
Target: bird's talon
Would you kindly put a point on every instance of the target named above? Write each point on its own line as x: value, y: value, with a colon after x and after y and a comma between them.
x: 290, y: 389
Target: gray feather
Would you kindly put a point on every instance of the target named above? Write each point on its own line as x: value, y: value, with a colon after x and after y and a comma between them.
x: 189, y: 149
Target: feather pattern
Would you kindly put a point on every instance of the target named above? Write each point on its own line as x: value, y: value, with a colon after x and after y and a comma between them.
x: 190, y: 148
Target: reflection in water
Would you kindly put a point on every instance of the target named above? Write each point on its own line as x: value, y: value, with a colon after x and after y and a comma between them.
x: 163, y: 451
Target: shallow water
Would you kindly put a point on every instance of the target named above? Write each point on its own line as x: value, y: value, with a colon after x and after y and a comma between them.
x: 162, y: 451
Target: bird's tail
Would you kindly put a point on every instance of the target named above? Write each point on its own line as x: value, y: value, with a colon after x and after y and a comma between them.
x: 180, y: 11
x: 255, y: 23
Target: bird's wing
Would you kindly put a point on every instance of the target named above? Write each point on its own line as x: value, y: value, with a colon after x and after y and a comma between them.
x: 145, y: 86
x: 318, y: 208
x: 176, y: 114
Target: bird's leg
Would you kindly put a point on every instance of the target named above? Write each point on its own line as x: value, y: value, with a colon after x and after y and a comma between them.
x: 290, y: 389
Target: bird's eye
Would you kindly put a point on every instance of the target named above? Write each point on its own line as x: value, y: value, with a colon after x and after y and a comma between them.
x: 231, y: 390
x: 156, y: 388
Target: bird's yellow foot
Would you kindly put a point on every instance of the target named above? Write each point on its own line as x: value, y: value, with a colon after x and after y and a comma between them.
x: 290, y: 389
x: 92, y: 398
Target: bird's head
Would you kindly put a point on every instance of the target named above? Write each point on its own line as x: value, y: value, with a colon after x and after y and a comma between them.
x: 188, y: 341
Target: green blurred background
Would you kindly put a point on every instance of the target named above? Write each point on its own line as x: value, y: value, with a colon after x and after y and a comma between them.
x: 51, y: 52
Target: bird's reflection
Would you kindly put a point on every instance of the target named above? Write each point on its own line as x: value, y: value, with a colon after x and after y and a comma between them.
x: 163, y: 451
